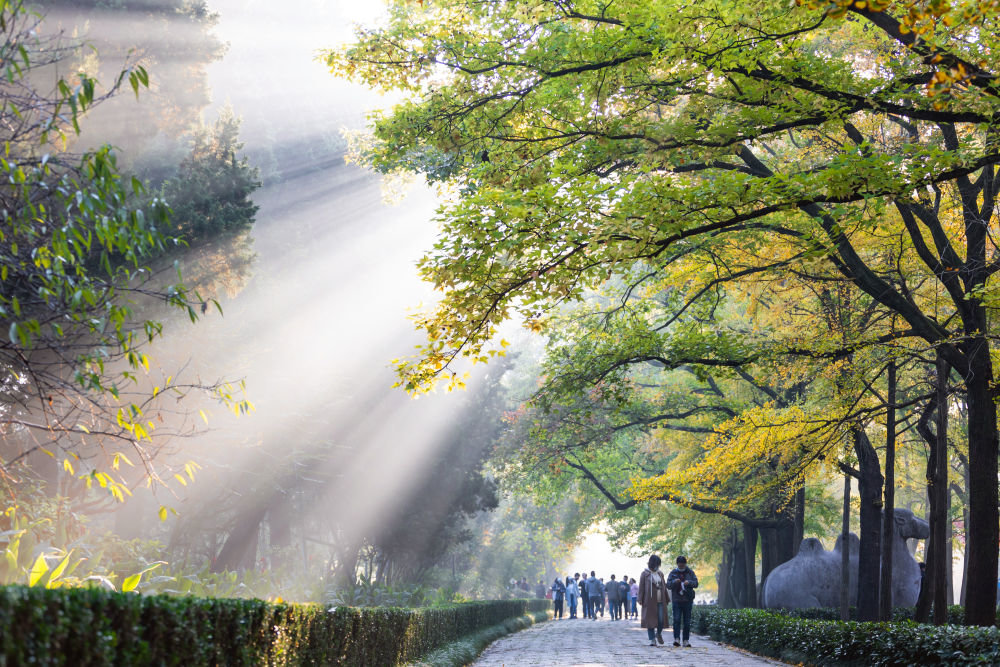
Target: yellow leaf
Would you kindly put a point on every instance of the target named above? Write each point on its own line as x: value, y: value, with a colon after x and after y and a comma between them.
x: 38, y: 570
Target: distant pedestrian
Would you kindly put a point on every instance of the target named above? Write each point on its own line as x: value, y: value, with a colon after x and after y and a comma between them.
x: 612, y: 591
x: 633, y: 596
x: 541, y: 590
x: 572, y: 593
x: 682, y: 581
x: 558, y: 593
x: 594, y: 593
x: 602, y: 600
x: 653, y: 598
x: 623, y: 596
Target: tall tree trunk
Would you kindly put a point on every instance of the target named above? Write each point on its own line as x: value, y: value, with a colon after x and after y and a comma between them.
x: 889, y: 503
x: 738, y: 575
x: 750, y: 551
x: 949, y: 561
x: 938, y: 495
x: 240, y: 549
x: 965, y: 553
x: 984, y: 515
x: 768, y: 552
x: 279, y: 521
x: 983, y: 533
x: 870, y: 552
x: 722, y: 578
x: 845, y: 554
x: 800, y: 517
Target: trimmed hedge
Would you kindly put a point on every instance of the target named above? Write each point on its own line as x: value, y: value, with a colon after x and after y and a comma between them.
x: 956, y: 613
x: 822, y: 642
x: 97, y: 627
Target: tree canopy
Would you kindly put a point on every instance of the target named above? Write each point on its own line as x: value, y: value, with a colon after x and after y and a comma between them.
x: 591, y: 144
x: 76, y: 241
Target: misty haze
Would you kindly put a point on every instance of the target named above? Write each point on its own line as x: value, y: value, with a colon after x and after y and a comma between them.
x: 364, y: 332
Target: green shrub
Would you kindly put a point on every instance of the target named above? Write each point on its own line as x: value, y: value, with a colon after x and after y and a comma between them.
x: 808, y: 641
x: 97, y: 627
x: 956, y: 614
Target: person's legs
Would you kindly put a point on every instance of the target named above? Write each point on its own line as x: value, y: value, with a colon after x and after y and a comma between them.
x: 660, y: 611
x: 678, y: 614
x: 686, y: 610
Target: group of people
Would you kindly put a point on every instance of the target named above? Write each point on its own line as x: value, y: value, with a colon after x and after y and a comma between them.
x: 622, y: 598
x: 617, y: 596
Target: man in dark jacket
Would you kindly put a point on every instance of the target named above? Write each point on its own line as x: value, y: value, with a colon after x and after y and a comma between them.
x: 612, y: 590
x: 681, y: 582
x: 623, y: 589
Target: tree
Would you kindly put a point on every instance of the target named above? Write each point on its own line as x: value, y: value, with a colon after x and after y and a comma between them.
x: 73, y: 251
x: 210, y: 195
x: 580, y: 139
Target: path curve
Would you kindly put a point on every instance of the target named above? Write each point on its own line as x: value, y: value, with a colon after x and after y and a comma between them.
x: 585, y: 643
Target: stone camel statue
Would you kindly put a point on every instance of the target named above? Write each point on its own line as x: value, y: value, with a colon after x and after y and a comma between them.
x: 812, y: 578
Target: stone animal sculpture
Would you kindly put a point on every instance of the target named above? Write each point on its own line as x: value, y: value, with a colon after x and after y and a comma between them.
x: 812, y: 578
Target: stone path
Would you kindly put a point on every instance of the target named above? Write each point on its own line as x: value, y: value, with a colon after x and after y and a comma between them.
x: 586, y: 643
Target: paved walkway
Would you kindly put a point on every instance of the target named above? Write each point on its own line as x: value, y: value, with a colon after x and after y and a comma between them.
x: 586, y: 643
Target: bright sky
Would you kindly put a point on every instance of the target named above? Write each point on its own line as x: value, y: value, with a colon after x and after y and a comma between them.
x: 595, y: 553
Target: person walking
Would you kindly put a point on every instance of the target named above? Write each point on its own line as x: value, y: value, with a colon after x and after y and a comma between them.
x: 602, y: 601
x: 558, y: 593
x: 653, y: 599
x: 633, y: 596
x: 682, y: 581
x: 623, y: 589
x: 595, y: 593
x: 612, y: 591
x: 572, y: 593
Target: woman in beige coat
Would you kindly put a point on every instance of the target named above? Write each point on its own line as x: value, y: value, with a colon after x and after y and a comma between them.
x: 653, y: 598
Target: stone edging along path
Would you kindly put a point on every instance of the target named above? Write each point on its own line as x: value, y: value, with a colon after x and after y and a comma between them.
x: 582, y: 642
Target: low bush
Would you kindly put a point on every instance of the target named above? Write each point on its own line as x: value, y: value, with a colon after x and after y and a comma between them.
x: 826, y: 642
x: 98, y: 627
x: 956, y: 614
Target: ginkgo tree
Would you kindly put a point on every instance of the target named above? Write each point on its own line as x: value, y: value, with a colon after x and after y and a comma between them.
x: 577, y: 140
